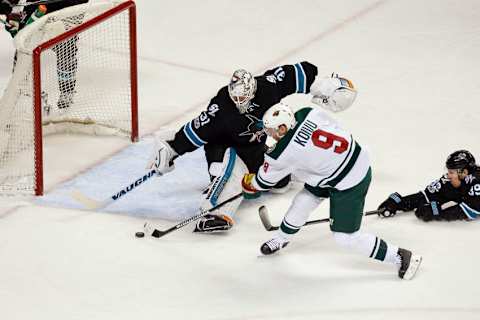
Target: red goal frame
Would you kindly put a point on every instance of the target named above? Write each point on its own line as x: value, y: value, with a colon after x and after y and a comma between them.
x: 37, y: 89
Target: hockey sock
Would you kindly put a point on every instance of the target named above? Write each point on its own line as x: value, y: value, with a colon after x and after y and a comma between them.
x: 368, y: 245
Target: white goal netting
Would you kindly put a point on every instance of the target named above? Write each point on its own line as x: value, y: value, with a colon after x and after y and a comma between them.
x: 85, y: 86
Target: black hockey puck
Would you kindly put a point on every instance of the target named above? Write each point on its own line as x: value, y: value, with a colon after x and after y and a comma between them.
x: 139, y: 234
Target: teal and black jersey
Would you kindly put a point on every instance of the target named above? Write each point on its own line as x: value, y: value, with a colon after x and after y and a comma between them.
x: 467, y: 196
x: 221, y: 125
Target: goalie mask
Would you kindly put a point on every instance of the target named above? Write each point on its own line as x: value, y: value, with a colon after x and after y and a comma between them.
x: 333, y: 93
x: 279, y: 114
x: 242, y: 89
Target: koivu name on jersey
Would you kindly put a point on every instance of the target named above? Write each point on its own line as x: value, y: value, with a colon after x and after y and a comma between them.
x: 305, y: 132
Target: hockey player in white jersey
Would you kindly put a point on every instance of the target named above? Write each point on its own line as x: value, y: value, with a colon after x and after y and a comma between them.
x: 316, y: 150
x: 231, y: 133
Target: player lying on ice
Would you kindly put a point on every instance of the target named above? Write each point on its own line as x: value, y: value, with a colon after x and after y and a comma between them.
x: 231, y: 133
x: 333, y: 165
x: 455, y: 196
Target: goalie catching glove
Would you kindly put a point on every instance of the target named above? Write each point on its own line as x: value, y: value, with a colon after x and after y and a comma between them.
x: 162, y: 158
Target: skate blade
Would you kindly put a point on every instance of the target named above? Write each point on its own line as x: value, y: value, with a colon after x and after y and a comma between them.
x: 415, y: 262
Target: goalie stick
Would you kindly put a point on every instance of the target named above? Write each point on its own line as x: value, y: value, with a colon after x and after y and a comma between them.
x: 150, y: 230
x: 93, y: 204
x: 263, y: 213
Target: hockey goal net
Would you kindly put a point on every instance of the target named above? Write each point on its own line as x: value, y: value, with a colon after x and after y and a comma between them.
x: 75, y: 71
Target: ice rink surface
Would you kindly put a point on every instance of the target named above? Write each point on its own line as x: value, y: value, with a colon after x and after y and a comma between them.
x: 416, y: 66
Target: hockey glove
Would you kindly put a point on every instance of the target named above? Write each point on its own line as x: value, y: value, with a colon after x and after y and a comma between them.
x: 389, y: 207
x: 162, y: 158
x: 13, y: 23
x: 429, y: 211
x: 249, y: 192
x: 433, y: 211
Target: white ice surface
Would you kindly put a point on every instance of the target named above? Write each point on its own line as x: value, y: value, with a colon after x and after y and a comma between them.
x: 416, y: 66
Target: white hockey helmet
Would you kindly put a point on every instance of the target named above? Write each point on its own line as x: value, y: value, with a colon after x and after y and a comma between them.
x: 277, y: 115
x: 242, y: 89
x: 333, y: 93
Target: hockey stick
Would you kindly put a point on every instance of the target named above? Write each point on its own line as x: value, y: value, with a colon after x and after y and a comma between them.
x: 93, y: 204
x: 263, y: 213
x: 150, y: 230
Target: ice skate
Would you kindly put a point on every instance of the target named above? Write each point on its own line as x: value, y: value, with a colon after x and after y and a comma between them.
x: 273, y: 245
x: 409, y: 265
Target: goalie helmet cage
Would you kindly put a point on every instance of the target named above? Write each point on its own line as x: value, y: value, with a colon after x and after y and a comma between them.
x: 76, y: 71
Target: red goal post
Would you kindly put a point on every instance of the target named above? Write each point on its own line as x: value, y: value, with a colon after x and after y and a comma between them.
x: 76, y: 71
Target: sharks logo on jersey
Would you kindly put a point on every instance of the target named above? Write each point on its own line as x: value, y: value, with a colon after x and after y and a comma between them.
x: 254, y: 129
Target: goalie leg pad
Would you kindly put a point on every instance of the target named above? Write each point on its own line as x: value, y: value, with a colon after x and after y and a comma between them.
x: 224, y: 186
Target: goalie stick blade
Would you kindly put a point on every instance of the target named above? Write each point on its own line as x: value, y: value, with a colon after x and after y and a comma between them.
x: 263, y: 213
x: 87, y: 202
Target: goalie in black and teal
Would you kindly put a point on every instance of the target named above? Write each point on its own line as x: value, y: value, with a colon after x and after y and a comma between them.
x: 318, y: 151
x: 231, y: 132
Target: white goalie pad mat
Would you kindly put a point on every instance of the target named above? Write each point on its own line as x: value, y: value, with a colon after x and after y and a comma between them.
x: 174, y: 196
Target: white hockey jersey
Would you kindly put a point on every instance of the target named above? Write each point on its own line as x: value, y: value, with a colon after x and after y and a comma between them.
x: 318, y: 152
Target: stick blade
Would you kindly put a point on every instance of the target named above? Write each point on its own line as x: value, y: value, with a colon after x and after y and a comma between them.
x: 150, y: 230
x: 263, y: 213
x: 87, y: 202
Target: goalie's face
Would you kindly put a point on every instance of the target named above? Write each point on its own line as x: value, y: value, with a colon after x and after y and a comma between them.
x: 242, y: 89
